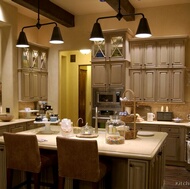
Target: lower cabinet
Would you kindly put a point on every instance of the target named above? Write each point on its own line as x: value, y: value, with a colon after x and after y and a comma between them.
x: 138, y: 173
x: 3, y: 129
x: 17, y: 127
x: 175, y: 145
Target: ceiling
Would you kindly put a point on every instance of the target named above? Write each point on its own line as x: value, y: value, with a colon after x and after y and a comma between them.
x: 84, y: 7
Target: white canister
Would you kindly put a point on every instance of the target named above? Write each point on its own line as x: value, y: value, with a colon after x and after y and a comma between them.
x: 150, y: 116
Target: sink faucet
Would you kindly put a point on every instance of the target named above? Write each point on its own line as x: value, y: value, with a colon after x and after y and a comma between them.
x: 78, y: 121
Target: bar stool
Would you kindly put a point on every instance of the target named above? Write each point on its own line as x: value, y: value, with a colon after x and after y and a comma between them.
x: 23, y: 154
x: 79, y: 160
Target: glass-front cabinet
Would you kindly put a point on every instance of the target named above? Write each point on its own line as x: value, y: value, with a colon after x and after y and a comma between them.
x: 33, y: 73
x: 114, y: 47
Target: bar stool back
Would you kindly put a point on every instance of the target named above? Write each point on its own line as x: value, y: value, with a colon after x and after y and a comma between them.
x: 23, y: 154
x: 79, y: 159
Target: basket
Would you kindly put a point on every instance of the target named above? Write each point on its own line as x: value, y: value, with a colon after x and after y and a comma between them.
x: 129, y: 134
x: 127, y: 118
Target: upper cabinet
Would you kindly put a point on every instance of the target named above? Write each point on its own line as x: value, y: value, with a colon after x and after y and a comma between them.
x: 108, y: 75
x: 34, y: 58
x: 171, y: 53
x: 143, y: 55
x: 33, y: 73
x: 114, y: 47
x: 158, y: 53
x: 157, y: 69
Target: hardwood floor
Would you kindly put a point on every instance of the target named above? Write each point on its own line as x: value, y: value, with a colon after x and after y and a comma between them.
x: 177, y: 178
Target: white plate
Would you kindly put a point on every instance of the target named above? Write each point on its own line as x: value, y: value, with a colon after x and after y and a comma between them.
x: 145, y: 133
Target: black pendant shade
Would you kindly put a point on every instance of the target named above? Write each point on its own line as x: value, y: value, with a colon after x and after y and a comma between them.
x: 22, y: 41
x: 56, y: 37
x: 96, y: 34
x: 143, y: 29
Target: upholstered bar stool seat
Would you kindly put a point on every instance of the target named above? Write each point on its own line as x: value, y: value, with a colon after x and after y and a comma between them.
x: 23, y: 154
x: 79, y: 160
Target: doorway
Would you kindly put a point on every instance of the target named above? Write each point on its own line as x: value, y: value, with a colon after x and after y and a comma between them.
x: 84, y: 96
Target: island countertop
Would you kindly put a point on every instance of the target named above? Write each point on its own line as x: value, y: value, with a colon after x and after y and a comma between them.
x: 143, y: 147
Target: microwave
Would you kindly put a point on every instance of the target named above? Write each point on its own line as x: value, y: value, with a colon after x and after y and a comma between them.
x: 108, y: 98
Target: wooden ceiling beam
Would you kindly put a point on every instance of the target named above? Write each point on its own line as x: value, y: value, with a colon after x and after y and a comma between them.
x: 49, y: 10
x: 126, y: 8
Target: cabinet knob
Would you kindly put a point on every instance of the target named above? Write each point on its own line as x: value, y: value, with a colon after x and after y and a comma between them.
x: 159, y: 153
x: 131, y: 165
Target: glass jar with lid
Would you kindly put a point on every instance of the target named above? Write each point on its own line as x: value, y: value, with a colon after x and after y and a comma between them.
x: 115, y: 131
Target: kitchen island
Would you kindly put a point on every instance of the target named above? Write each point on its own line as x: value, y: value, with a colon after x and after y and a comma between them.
x: 137, y: 164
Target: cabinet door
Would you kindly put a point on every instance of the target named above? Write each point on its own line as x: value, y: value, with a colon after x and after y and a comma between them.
x: 163, y: 85
x: 34, y: 85
x: 99, y: 76
x: 136, y: 83
x: 43, y: 86
x: 116, y: 46
x: 137, y: 50
x: 25, y: 86
x: 99, y: 51
x: 30, y: 86
x: 149, y: 55
x: 149, y: 85
x: 177, y: 85
x: 163, y: 54
x: 137, y: 174
x: 172, y: 142
x: 178, y: 53
x: 116, y: 74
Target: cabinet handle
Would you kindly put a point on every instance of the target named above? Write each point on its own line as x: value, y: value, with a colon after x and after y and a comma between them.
x: 2, y: 150
x: 169, y: 129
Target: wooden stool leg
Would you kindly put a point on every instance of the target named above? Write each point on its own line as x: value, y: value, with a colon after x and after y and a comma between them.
x: 76, y: 184
x: 36, y: 180
x: 95, y: 185
x: 9, y: 178
x: 61, y: 182
x: 28, y: 179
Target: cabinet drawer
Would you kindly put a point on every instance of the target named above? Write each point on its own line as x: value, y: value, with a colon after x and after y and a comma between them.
x: 170, y: 130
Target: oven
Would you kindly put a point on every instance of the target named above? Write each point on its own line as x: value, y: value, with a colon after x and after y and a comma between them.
x: 104, y: 115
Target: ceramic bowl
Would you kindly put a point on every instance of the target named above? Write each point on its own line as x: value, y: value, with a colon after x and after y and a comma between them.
x: 6, y: 117
x: 177, y: 120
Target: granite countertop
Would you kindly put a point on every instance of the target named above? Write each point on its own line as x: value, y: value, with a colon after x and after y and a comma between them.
x: 15, y: 121
x: 143, y: 147
x: 187, y: 124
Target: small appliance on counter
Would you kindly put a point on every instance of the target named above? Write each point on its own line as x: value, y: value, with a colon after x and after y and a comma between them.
x: 164, y: 116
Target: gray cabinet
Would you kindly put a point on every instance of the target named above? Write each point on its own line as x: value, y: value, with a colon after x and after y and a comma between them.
x: 143, y: 84
x: 108, y: 74
x: 115, y: 47
x: 170, y: 85
x: 32, y: 73
x: 157, y: 69
x: 173, y: 142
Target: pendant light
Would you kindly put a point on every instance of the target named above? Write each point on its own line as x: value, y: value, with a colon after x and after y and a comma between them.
x: 56, y: 37
x: 143, y: 30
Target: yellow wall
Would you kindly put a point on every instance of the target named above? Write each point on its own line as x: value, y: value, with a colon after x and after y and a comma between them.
x: 68, y: 84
